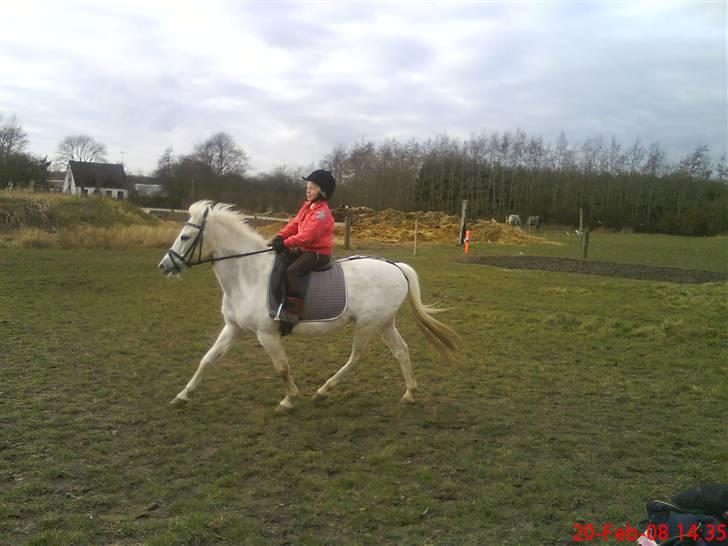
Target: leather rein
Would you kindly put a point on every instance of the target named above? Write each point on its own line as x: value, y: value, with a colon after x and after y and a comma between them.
x: 178, y: 260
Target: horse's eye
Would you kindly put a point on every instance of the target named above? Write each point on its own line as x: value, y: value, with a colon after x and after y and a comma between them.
x: 185, y: 237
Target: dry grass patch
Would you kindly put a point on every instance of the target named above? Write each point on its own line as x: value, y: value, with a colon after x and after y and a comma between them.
x: 116, y: 237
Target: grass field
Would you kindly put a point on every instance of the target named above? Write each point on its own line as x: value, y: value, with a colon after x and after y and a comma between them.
x: 578, y: 399
x: 704, y: 253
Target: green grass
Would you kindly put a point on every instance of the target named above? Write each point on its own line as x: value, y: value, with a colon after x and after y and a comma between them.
x: 703, y: 253
x: 578, y: 399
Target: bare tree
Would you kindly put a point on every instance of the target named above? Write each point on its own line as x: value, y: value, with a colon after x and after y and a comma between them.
x: 222, y: 155
x: 336, y: 162
x: 721, y: 169
x: 13, y: 138
x: 656, y: 161
x: 80, y: 148
x: 654, y: 168
x: 697, y: 164
x: 18, y: 168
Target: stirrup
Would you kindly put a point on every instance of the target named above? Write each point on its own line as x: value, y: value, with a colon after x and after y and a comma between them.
x: 278, y: 313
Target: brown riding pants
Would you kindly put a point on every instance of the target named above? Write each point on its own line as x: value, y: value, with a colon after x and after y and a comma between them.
x: 305, y: 262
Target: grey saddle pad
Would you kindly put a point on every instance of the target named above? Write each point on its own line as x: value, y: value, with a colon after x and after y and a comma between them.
x: 325, y: 297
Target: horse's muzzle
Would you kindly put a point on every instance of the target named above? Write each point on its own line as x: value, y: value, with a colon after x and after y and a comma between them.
x: 168, y: 266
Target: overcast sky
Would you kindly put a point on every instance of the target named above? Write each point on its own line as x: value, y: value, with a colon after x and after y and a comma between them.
x: 290, y: 81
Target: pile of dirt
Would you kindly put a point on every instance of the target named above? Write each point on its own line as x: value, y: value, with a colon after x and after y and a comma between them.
x: 393, y: 226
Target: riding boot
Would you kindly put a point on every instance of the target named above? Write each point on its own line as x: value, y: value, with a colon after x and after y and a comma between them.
x: 290, y: 314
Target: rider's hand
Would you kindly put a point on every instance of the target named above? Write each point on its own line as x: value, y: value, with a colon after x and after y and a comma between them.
x: 277, y: 244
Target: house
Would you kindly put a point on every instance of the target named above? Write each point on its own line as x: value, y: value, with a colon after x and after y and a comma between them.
x: 87, y: 178
x: 55, y: 181
x: 145, y: 186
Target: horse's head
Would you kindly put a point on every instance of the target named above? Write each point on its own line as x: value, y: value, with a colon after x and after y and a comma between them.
x: 189, y: 244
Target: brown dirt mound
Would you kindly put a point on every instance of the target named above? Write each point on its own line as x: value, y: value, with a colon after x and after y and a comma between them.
x: 393, y: 226
x: 607, y: 269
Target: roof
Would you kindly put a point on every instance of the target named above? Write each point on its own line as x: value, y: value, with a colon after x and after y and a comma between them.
x: 103, y: 175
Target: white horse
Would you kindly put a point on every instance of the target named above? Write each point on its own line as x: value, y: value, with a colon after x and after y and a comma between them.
x: 242, y: 262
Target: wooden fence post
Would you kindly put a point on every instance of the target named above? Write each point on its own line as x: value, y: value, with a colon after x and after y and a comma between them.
x: 585, y: 242
x: 461, y: 235
x: 414, y: 253
x: 347, y: 231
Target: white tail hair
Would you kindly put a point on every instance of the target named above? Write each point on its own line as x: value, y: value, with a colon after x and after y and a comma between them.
x: 442, y: 337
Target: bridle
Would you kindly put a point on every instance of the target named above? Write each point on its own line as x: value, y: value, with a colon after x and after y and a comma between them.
x: 179, y: 260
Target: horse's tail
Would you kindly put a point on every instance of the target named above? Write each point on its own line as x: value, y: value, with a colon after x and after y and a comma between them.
x: 439, y: 334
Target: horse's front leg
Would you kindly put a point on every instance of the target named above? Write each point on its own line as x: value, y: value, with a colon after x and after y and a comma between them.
x: 222, y: 344
x: 273, y: 346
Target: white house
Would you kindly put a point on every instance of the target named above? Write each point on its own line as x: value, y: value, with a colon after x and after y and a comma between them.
x: 145, y: 186
x: 55, y: 181
x: 149, y: 190
x: 87, y: 178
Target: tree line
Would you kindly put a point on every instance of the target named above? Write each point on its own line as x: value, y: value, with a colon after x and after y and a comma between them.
x: 18, y: 167
x: 618, y: 187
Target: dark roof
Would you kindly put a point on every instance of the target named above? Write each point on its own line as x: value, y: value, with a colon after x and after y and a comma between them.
x: 103, y: 175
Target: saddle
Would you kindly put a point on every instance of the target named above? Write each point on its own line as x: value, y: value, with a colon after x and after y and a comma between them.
x: 324, y: 290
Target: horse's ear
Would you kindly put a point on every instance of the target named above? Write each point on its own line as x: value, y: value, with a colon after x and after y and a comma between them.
x: 207, y: 210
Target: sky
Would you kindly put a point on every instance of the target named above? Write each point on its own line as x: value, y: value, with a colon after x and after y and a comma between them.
x: 291, y: 81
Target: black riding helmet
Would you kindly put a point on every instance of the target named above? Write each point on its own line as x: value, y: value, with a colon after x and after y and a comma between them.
x: 324, y: 180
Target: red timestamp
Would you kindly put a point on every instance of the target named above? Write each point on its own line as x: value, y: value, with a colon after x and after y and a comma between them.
x: 588, y: 532
x: 710, y: 532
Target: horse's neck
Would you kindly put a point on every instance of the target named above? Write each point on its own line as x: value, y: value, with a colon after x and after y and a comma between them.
x: 247, y: 274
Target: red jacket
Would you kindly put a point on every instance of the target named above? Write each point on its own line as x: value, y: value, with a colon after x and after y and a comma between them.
x: 312, y: 230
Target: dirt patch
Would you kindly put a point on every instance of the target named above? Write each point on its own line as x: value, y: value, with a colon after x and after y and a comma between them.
x: 397, y: 227
x: 606, y: 269
x: 394, y: 226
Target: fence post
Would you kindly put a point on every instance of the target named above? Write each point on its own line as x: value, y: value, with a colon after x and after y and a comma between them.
x: 347, y: 230
x: 414, y: 253
x: 585, y: 242
x: 461, y: 235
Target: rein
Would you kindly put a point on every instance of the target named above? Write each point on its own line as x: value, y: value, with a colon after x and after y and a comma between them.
x: 185, y: 259
x: 241, y: 255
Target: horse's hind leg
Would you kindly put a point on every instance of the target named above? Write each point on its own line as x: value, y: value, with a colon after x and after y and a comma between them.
x: 273, y: 346
x: 222, y: 344
x: 399, y: 349
x: 359, y: 349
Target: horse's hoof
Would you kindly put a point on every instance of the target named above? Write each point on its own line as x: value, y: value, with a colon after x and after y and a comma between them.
x: 407, y: 397
x: 179, y: 400
x: 284, y: 407
x: 319, y: 396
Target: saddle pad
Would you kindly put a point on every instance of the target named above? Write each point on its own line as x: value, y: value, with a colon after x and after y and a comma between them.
x: 325, y: 297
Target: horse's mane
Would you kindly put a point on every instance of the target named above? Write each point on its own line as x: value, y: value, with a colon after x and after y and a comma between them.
x: 225, y: 215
